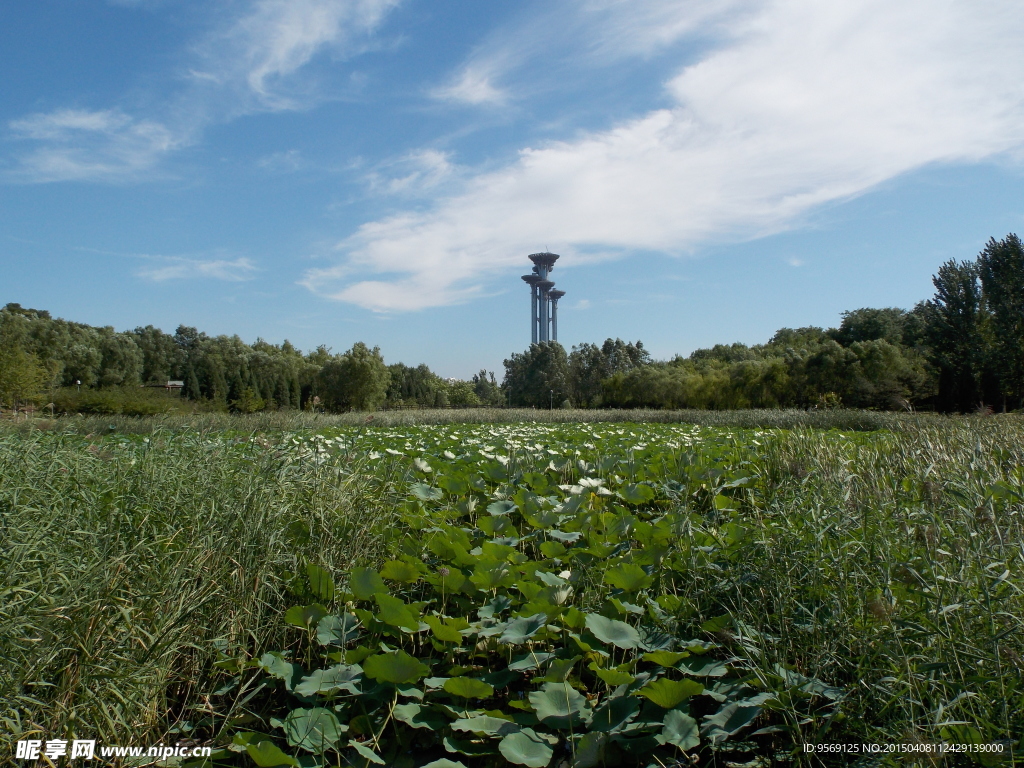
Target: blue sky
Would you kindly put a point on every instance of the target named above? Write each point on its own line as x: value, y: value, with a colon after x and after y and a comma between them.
x: 330, y: 171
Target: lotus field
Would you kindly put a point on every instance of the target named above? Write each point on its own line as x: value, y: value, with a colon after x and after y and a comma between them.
x: 536, y: 594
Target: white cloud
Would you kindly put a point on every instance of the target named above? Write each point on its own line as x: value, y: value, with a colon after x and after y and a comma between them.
x: 472, y: 86
x: 248, y: 64
x: 83, y: 144
x: 558, y: 38
x: 808, y: 102
x: 281, y: 162
x: 621, y: 28
x: 418, y: 172
x: 270, y: 43
x: 181, y: 268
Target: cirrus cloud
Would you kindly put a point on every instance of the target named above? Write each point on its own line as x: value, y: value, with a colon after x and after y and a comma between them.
x: 184, y: 268
x: 79, y: 144
x: 804, y: 104
x: 249, y: 63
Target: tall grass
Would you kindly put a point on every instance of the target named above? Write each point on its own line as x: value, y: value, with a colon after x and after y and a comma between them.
x: 891, y: 565
x: 122, y: 564
x: 894, y: 569
x: 842, y: 419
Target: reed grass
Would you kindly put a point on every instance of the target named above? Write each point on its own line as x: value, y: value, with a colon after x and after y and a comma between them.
x: 287, y: 420
x: 123, y: 564
x: 890, y: 565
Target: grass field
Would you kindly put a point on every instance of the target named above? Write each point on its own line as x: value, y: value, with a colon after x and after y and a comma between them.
x: 865, y: 582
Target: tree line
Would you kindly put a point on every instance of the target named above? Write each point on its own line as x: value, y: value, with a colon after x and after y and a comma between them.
x: 961, y: 350
x: 82, y: 367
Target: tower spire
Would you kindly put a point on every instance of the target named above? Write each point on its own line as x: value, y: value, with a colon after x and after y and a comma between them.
x: 543, y: 300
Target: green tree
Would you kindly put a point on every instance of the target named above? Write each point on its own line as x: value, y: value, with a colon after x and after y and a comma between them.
x: 161, y: 357
x: 355, y: 381
x: 121, y: 360
x: 410, y: 385
x: 190, y: 390
x: 486, y: 388
x: 539, y: 376
x: 590, y: 365
x: 870, y: 325
x: 954, y: 337
x: 461, y: 394
x: 248, y: 401
x: 22, y: 377
x: 588, y: 368
x: 1001, y: 269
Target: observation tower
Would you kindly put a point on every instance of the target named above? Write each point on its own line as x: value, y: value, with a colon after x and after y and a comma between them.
x: 543, y: 300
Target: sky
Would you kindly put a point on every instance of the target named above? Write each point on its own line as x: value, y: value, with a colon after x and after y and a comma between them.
x: 333, y: 171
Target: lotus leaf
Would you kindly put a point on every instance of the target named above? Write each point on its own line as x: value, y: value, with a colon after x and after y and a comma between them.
x: 468, y: 688
x: 560, y: 705
x: 446, y: 630
x: 635, y: 493
x: 530, y: 661
x: 553, y: 549
x: 400, y: 571
x: 703, y: 667
x: 424, y: 492
x: 337, y: 630
x: 520, y: 630
x: 304, y: 615
x: 276, y: 665
x: 365, y: 583
x: 267, y: 754
x: 729, y: 720
x: 367, y: 753
x: 680, y: 729
x: 590, y: 750
x: 613, y: 677
x: 565, y: 536
x: 559, y: 670
x: 670, y: 693
x: 615, y: 713
x: 629, y: 577
x: 315, y: 730
x: 617, y: 633
x: 342, y: 677
x: 397, y: 613
x: 395, y: 667
x: 320, y: 582
x: 664, y: 658
x: 526, y: 748
x: 501, y: 507
x: 486, y: 725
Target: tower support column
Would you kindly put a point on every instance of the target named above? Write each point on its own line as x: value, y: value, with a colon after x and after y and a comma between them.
x: 543, y: 300
x: 555, y: 296
x: 534, y: 318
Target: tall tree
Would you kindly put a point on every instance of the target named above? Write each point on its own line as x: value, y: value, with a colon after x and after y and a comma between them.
x: 486, y: 388
x: 869, y: 324
x: 1001, y: 268
x: 355, y: 381
x: 22, y: 376
x: 539, y: 376
x: 953, y: 335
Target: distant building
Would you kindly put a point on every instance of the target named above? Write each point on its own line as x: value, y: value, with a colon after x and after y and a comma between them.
x: 543, y: 300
